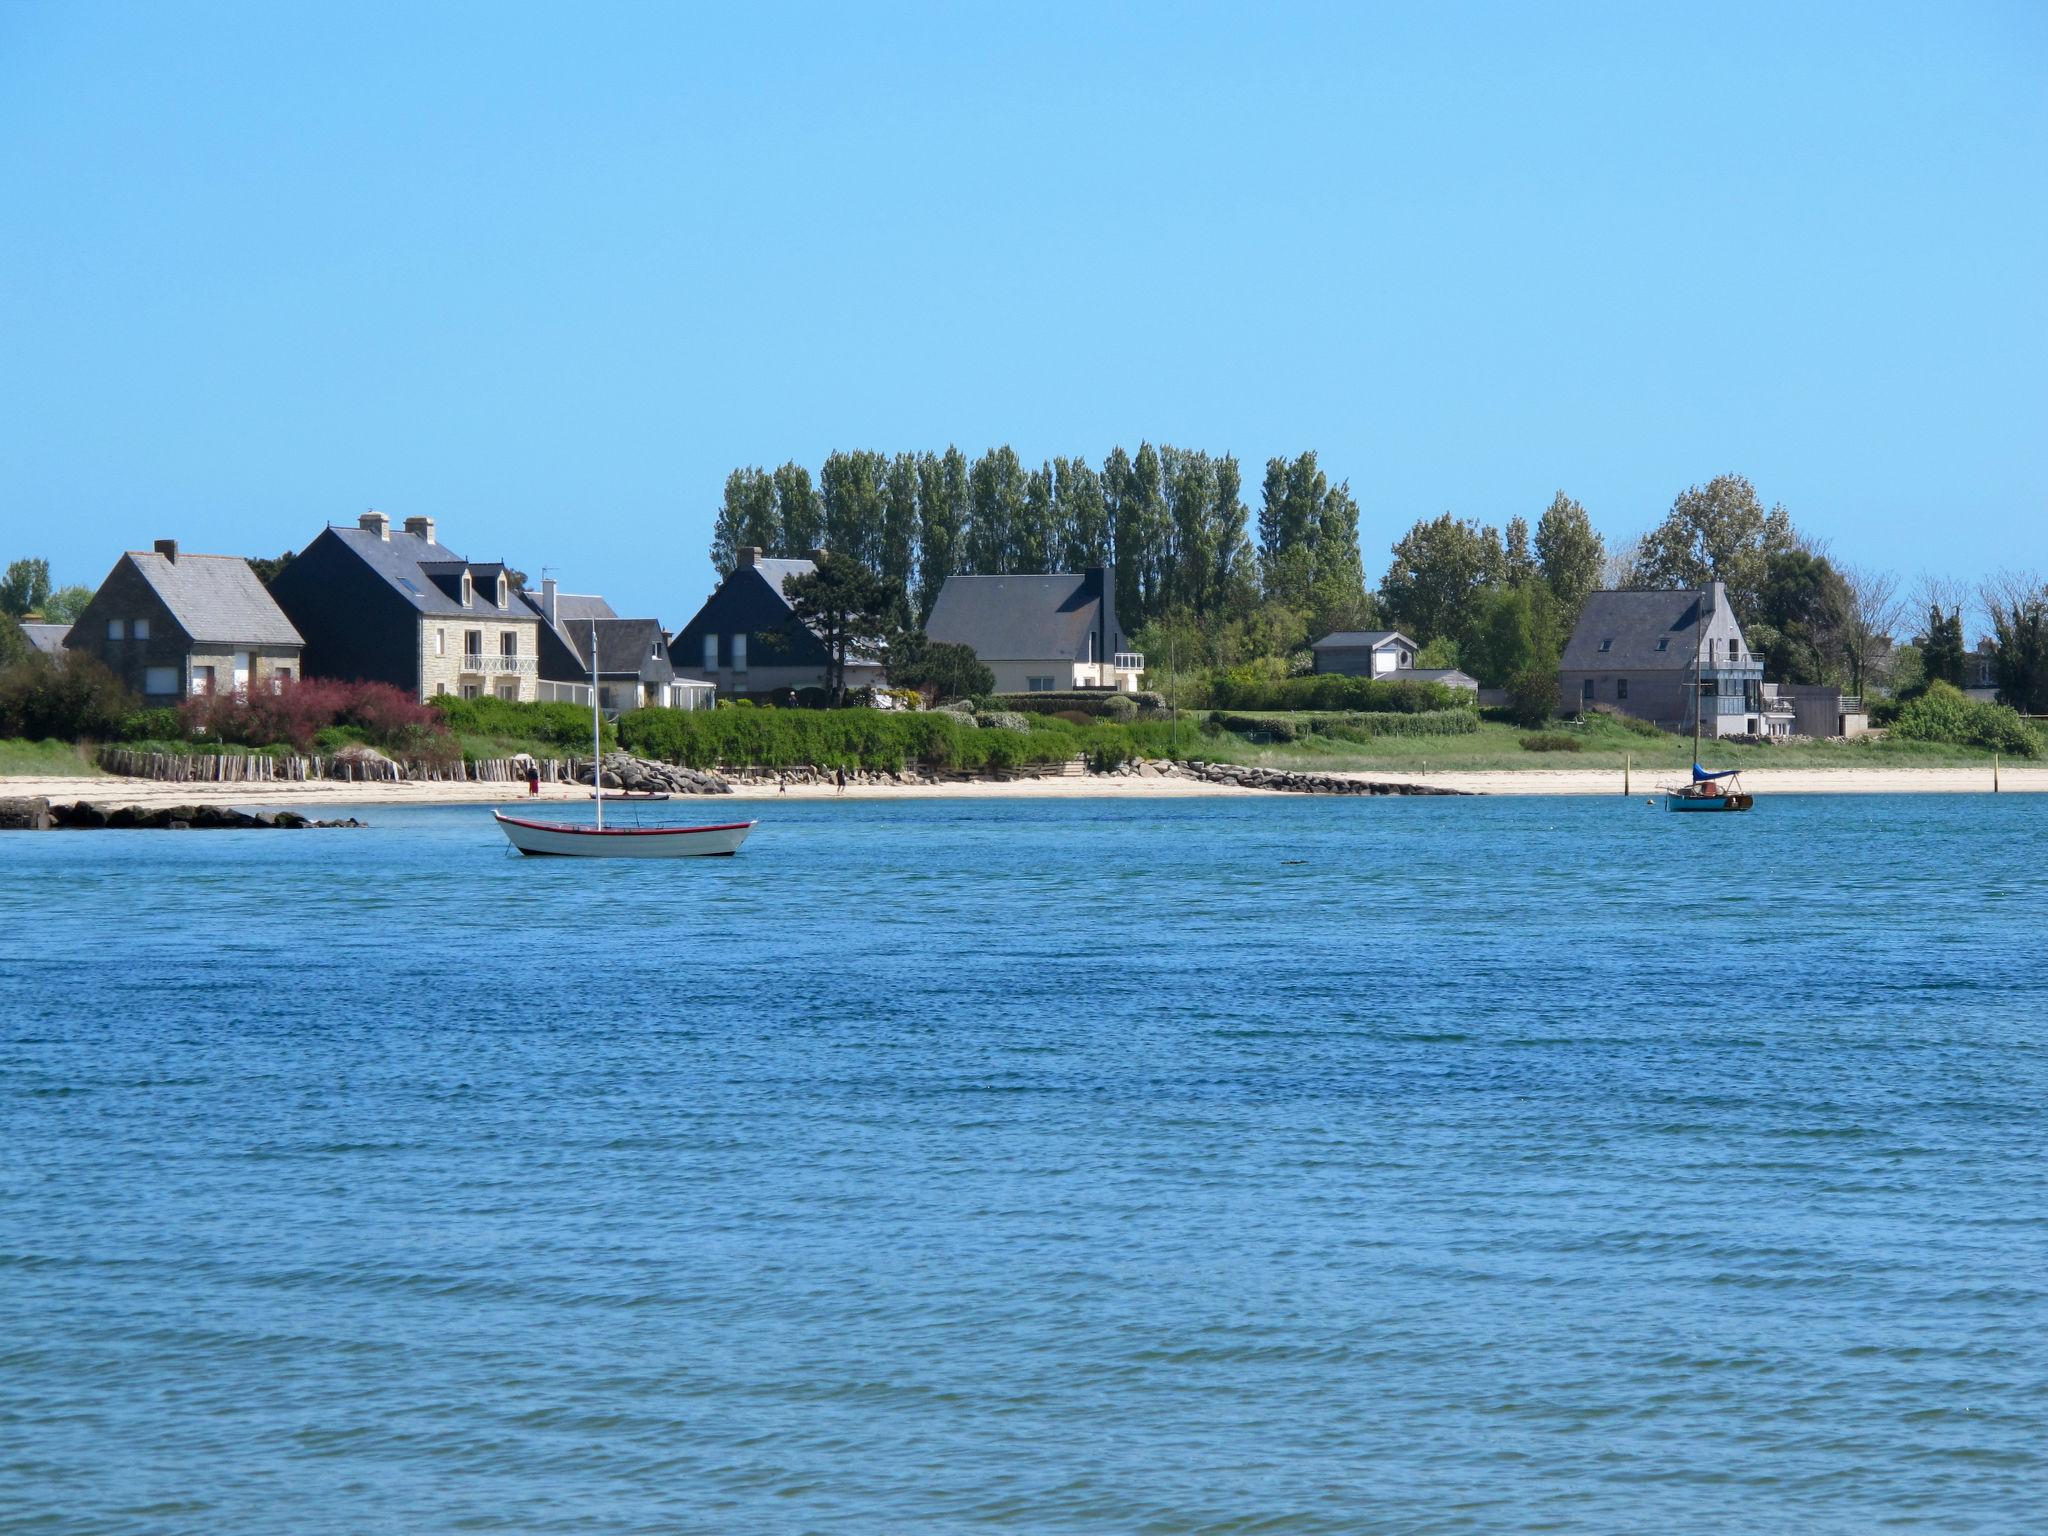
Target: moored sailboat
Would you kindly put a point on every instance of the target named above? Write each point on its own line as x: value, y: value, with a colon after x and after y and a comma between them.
x: 1720, y: 790
x: 598, y: 841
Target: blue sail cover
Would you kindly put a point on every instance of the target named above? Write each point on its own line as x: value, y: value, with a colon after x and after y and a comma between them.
x: 1701, y: 776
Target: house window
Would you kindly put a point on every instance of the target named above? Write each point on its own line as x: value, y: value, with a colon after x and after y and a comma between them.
x: 160, y: 680
x: 657, y: 650
x: 468, y: 591
x: 117, y: 629
x: 440, y: 642
x: 508, y: 688
x: 471, y: 690
x: 440, y: 689
x: 279, y: 676
x: 508, y: 643
x: 1620, y: 689
x: 473, y: 646
x: 140, y: 629
x: 739, y: 653
x: 1038, y: 685
x: 1607, y: 644
x: 202, y: 680
x: 711, y: 653
x: 1586, y: 691
x: 504, y: 592
x: 1664, y: 644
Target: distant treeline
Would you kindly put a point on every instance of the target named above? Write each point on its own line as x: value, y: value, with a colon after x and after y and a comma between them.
x: 1173, y: 522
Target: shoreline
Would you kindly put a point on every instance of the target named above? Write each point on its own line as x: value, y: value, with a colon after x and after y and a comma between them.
x: 111, y: 790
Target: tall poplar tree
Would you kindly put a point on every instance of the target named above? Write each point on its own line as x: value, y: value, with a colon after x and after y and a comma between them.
x: 1571, y: 556
x: 942, y: 499
x: 798, y: 512
x: 896, y: 558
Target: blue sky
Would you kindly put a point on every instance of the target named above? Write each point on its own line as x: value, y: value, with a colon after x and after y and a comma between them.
x: 547, y: 273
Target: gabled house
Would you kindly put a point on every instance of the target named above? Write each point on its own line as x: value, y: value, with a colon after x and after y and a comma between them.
x: 1039, y: 634
x: 748, y: 642
x: 169, y: 624
x: 1364, y: 652
x: 634, y: 670
x: 402, y: 608
x: 1634, y: 653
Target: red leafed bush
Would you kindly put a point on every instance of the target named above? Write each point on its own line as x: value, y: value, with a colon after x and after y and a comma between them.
x: 293, y: 713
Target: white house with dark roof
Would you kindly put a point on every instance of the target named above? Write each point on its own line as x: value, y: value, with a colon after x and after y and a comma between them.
x: 1643, y: 653
x: 633, y: 666
x: 403, y: 608
x: 169, y: 623
x: 1039, y: 634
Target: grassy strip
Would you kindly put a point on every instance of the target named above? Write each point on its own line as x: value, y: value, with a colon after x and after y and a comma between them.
x: 46, y: 759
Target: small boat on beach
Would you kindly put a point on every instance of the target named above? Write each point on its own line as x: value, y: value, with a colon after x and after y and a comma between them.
x: 598, y: 841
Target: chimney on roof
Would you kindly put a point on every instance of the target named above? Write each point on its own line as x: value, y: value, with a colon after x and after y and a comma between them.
x: 377, y: 523
x: 547, y: 598
x: 168, y: 548
x: 818, y: 555
x: 751, y: 555
x: 421, y: 527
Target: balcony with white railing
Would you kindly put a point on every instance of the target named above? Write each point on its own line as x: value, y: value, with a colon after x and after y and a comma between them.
x: 478, y: 662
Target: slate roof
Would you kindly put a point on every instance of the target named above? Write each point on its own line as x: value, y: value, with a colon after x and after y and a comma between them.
x: 216, y: 599
x: 1019, y: 618
x: 47, y: 638
x: 1450, y: 677
x: 579, y: 605
x: 1361, y: 639
x: 776, y: 572
x: 402, y: 560
x: 1633, y: 623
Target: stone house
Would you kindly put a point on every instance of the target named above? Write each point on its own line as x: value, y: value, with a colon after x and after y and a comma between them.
x: 402, y: 608
x: 1643, y: 653
x: 168, y: 624
x: 1040, y: 634
x: 634, y: 669
x: 748, y: 642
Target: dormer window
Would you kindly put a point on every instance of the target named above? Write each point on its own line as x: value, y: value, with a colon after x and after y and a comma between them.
x: 504, y: 592
x: 468, y: 591
x: 657, y: 650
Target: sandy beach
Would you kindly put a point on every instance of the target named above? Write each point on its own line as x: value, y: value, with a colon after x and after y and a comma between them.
x: 111, y: 791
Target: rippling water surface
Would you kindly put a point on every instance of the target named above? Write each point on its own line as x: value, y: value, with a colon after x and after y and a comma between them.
x: 1277, y: 1165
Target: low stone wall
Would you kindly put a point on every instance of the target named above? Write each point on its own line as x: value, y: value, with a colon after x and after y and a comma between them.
x: 1276, y: 779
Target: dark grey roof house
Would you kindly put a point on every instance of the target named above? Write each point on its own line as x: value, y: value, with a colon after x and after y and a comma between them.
x: 1039, y: 633
x: 633, y: 666
x: 403, y: 608
x: 168, y: 623
x: 749, y: 643
x: 1640, y: 653
x: 1365, y: 653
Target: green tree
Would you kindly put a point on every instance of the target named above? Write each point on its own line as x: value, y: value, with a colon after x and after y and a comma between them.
x: 1721, y: 532
x: 996, y: 488
x: 747, y: 519
x: 1517, y: 563
x: 1942, y: 656
x: 1338, y: 599
x: 25, y: 587
x: 1081, y: 515
x: 942, y: 500
x: 850, y: 609
x: 67, y: 603
x: 1035, y: 536
x: 943, y: 670
x: 2018, y: 607
x: 896, y: 559
x: 1290, y: 518
x: 1796, y: 617
x: 799, y: 513
x: 850, y: 486
x: 1571, y: 555
x: 1149, y: 524
x: 1439, y: 569
x: 1515, y: 630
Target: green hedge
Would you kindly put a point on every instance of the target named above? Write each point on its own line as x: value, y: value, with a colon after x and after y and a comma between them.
x: 1552, y: 741
x: 1328, y: 691
x: 1944, y: 713
x: 1089, y: 701
x: 1356, y: 725
x: 886, y: 741
x: 553, y: 723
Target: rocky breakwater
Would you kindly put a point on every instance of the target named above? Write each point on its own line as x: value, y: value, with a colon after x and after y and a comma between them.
x: 1279, y: 780
x: 84, y: 815
x: 638, y: 776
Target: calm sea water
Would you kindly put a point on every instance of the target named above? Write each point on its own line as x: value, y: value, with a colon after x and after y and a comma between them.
x: 1278, y: 1165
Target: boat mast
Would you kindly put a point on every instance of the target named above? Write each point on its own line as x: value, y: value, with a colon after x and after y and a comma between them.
x: 596, y: 730
x: 1699, y: 681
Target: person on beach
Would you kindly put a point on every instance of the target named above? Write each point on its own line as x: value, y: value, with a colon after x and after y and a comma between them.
x: 533, y: 780
x: 839, y: 778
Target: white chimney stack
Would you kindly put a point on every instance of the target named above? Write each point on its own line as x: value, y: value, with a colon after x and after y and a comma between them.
x: 377, y: 523
x: 421, y: 527
x: 547, y: 598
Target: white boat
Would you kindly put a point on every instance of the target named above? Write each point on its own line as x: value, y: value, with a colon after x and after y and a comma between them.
x: 597, y: 842
x: 601, y: 842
